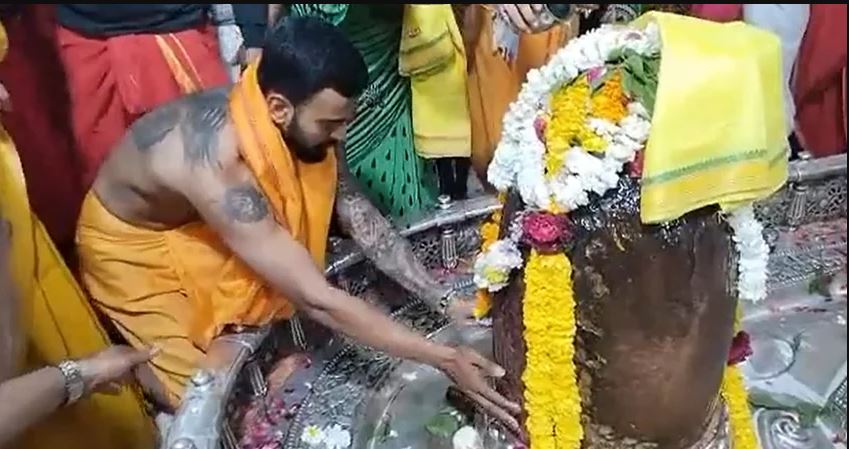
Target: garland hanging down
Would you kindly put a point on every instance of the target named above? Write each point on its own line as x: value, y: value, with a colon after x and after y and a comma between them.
x: 578, y: 123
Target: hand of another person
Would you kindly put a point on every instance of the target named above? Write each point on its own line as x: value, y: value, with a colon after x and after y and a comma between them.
x: 470, y: 370
x: 112, y: 366
x: 525, y: 18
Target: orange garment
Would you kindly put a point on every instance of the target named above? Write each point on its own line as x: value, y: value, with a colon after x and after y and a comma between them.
x: 178, y: 289
x: 115, y: 80
x: 58, y: 324
x: 494, y: 84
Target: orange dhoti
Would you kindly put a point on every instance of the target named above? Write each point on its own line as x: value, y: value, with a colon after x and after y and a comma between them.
x: 179, y: 289
x: 114, y: 81
x: 495, y: 83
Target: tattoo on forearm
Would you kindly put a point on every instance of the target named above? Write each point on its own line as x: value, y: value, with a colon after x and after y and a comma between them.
x: 206, y: 113
x: 390, y: 252
x: 152, y: 128
x: 245, y: 204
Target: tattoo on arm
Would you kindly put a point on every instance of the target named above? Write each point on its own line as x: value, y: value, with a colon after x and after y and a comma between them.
x: 245, y: 204
x: 391, y: 252
x: 206, y: 113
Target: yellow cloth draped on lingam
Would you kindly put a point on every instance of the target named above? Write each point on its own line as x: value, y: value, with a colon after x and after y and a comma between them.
x: 718, y: 130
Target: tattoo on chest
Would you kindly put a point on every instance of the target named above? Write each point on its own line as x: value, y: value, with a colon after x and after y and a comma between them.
x: 151, y: 129
x: 245, y: 204
x: 205, y: 115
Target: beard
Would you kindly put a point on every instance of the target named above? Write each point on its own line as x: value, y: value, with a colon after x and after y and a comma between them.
x: 296, y: 141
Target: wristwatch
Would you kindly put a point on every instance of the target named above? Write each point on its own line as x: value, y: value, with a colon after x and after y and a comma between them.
x: 74, y: 382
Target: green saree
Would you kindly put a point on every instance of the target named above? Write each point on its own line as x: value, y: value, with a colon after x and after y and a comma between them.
x: 379, y: 146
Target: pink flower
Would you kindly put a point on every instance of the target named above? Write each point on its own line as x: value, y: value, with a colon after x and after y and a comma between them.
x: 540, y: 125
x: 635, y: 168
x: 741, y: 349
x: 595, y: 74
x: 546, y: 232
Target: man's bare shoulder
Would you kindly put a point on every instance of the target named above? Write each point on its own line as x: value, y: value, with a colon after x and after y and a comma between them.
x: 189, y: 134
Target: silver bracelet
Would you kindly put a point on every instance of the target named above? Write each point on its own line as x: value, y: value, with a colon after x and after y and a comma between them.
x: 74, y: 382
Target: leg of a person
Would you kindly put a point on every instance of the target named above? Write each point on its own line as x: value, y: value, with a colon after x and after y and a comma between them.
x: 161, y: 322
x: 98, y: 112
x: 462, y: 166
x: 445, y: 173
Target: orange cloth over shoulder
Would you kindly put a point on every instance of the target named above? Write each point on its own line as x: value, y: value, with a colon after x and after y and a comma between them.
x: 180, y: 288
x: 494, y: 83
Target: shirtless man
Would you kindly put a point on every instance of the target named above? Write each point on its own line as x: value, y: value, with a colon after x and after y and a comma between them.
x: 207, y: 165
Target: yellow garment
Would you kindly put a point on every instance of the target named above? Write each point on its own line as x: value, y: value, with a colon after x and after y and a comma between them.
x: 494, y: 83
x: 433, y: 56
x: 718, y: 132
x: 59, y: 324
x: 179, y: 288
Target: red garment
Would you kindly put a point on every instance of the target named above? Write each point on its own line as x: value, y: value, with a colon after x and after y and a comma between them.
x: 727, y: 12
x: 39, y: 123
x: 113, y: 81
x: 819, y: 85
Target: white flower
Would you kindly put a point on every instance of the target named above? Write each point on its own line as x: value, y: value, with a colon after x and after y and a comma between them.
x: 753, y: 254
x: 492, y: 267
x: 313, y: 436
x: 467, y: 438
x: 337, y: 438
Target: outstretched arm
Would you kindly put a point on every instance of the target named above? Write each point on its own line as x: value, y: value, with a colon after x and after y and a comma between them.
x: 230, y: 202
x: 390, y: 252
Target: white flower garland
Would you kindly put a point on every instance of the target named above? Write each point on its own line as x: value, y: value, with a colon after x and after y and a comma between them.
x: 752, y: 252
x: 519, y: 159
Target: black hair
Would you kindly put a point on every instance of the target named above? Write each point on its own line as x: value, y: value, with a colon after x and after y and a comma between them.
x: 304, y: 55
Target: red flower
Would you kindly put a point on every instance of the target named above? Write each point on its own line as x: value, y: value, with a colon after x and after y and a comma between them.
x: 546, y: 232
x: 540, y: 126
x: 635, y: 169
x: 741, y: 349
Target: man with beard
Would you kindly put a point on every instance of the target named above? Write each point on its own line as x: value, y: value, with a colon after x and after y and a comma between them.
x: 214, y: 211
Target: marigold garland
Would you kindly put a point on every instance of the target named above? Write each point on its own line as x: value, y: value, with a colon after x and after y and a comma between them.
x: 737, y: 400
x: 552, y: 399
x: 567, y: 126
x: 609, y: 101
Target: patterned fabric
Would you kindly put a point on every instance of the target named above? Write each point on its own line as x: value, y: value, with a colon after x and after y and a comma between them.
x: 380, y: 148
x: 626, y: 12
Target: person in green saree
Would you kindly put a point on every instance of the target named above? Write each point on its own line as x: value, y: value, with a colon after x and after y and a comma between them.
x: 379, y: 145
